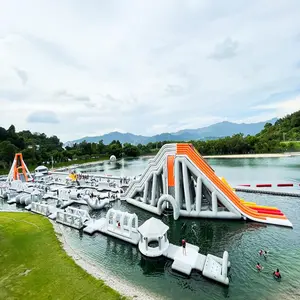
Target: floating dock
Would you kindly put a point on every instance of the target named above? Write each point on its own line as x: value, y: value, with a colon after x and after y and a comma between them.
x: 211, y: 266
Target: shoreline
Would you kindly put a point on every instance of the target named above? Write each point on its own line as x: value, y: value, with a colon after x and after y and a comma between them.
x: 122, y: 286
x: 222, y: 156
x: 261, y: 155
x: 227, y: 156
x: 91, y: 163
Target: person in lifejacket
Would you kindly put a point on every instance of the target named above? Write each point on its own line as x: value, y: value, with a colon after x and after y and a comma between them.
x: 258, y: 267
x: 277, y: 274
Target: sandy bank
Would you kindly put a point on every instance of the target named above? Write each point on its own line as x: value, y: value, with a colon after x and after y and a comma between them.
x: 123, y: 287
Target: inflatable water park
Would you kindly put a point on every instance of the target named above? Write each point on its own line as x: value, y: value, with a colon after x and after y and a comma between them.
x: 177, y: 179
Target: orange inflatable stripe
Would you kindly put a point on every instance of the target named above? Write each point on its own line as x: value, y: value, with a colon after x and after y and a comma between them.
x: 188, y: 150
x: 262, y: 207
x: 270, y: 214
x: 170, y: 166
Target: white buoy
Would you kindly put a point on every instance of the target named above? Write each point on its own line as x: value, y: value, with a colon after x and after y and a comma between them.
x: 112, y: 158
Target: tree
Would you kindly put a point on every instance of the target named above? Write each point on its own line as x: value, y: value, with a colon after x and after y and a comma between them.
x: 115, y: 149
x: 3, y: 134
x: 130, y: 150
x: 7, y: 151
x: 101, y: 147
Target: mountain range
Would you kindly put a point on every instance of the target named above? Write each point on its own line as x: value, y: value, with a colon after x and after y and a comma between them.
x: 214, y: 131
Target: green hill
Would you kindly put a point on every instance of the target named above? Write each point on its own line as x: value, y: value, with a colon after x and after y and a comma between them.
x: 284, y: 135
x: 37, y: 148
x: 284, y: 129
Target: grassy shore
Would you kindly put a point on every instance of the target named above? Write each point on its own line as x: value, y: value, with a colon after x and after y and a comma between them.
x: 34, y: 266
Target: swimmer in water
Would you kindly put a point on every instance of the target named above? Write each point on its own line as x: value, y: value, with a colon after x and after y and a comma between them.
x: 277, y: 274
x: 259, y: 267
x: 261, y: 252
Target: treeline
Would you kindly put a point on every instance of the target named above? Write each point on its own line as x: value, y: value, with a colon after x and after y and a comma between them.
x: 39, y: 149
x: 36, y: 147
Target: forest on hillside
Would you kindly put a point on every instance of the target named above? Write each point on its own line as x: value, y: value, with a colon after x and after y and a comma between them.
x: 38, y: 149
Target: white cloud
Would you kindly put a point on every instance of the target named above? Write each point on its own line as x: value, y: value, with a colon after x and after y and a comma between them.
x: 145, y: 67
x: 47, y: 117
x: 282, y: 108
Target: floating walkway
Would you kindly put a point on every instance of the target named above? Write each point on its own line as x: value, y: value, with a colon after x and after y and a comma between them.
x: 154, y: 243
x: 211, y: 266
x: 151, y: 238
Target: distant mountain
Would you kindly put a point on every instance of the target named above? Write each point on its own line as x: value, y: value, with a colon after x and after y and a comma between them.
x: 214, y: 131
x: 225, y: 128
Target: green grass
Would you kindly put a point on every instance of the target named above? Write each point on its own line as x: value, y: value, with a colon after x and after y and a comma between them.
x: 28, y: 244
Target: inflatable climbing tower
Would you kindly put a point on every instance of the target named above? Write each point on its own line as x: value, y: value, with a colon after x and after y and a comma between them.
x: 19, y: 170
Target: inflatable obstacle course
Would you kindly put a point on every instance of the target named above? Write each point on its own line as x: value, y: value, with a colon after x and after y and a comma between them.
x: 178, y: 177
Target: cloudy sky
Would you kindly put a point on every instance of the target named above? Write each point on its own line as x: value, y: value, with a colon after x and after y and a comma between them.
x: 77, y: 68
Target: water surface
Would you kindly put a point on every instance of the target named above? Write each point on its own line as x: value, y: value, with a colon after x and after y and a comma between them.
x: 241, y: 239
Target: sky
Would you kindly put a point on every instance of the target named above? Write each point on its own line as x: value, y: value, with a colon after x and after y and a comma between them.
x: 85, y: 68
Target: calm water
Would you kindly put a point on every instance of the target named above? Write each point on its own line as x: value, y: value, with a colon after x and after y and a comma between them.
x: 241, y: 239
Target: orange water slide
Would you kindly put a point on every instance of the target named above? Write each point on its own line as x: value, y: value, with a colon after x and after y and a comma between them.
x: 170, y: 166
x: 253, y: 211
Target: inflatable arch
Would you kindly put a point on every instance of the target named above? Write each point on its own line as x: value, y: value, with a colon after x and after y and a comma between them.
x: 168, y: 198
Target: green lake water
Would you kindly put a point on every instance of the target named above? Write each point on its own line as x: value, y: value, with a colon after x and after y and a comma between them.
x: 241, y: 239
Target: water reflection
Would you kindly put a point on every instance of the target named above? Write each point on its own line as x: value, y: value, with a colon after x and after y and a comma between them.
x: 122, y: 249
x: 152, y: 266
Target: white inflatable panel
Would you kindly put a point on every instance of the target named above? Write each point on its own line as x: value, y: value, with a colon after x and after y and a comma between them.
x: 213, y: 270
x: 40, y: 208
x: 94, y: 226
x: 182, y: 267
x: 200, y: 262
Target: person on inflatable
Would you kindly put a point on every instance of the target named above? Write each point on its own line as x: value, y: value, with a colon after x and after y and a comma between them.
x: 261, y: 252
x: 276, y: 274
x: 259, y: 267
x: 183, y: 243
